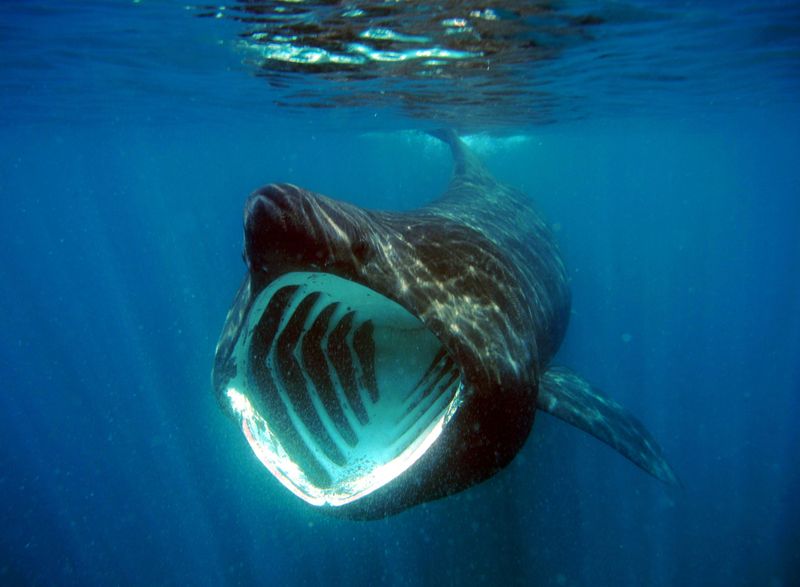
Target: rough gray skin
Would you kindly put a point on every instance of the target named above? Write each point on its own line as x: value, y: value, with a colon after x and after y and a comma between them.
x: 480, y: 268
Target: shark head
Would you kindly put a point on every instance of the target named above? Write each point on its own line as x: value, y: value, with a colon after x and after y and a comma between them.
x: 342, y: 389
x: 356, y: 341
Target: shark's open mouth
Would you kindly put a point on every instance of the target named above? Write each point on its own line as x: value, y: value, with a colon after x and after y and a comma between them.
x: 338, y: 388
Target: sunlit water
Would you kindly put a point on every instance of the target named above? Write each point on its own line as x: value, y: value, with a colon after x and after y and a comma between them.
x: 661, y: 142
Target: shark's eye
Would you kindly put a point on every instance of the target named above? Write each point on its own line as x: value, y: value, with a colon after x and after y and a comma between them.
x: 339, y: 389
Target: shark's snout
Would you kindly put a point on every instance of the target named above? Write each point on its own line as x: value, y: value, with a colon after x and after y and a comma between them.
x: 282, y: 231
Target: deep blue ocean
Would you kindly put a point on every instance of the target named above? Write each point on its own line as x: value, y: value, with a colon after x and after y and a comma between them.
x: 663, y: 146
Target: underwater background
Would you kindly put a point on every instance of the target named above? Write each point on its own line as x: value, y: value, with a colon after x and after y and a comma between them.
x: 661, y: 142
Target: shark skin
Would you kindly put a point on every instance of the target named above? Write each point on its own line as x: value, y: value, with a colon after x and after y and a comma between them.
x: 478, y: 268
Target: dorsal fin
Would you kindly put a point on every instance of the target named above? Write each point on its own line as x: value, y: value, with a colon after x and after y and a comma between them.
x: 466, y: 163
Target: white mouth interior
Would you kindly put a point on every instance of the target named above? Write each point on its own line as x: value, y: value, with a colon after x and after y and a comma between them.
x: 338, y: 388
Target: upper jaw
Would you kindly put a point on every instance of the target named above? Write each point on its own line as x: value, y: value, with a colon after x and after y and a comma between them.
x: 287, y: 228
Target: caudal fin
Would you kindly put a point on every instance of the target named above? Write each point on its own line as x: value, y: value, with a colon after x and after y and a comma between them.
x: 569, y: 397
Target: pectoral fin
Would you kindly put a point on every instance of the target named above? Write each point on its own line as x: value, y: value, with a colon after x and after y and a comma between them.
x: 569, y: 397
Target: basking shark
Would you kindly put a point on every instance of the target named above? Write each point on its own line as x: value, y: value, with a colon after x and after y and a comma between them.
x: 377, y: 360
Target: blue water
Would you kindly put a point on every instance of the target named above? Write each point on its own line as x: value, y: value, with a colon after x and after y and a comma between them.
x: 130, y: 134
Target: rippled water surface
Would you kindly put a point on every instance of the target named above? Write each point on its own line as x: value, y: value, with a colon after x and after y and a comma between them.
x: 382, y: 64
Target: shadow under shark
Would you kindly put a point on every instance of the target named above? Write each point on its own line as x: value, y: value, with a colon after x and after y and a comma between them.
x: 375, y: 360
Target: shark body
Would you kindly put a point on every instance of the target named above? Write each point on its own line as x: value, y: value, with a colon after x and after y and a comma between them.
x: 377, y: 360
